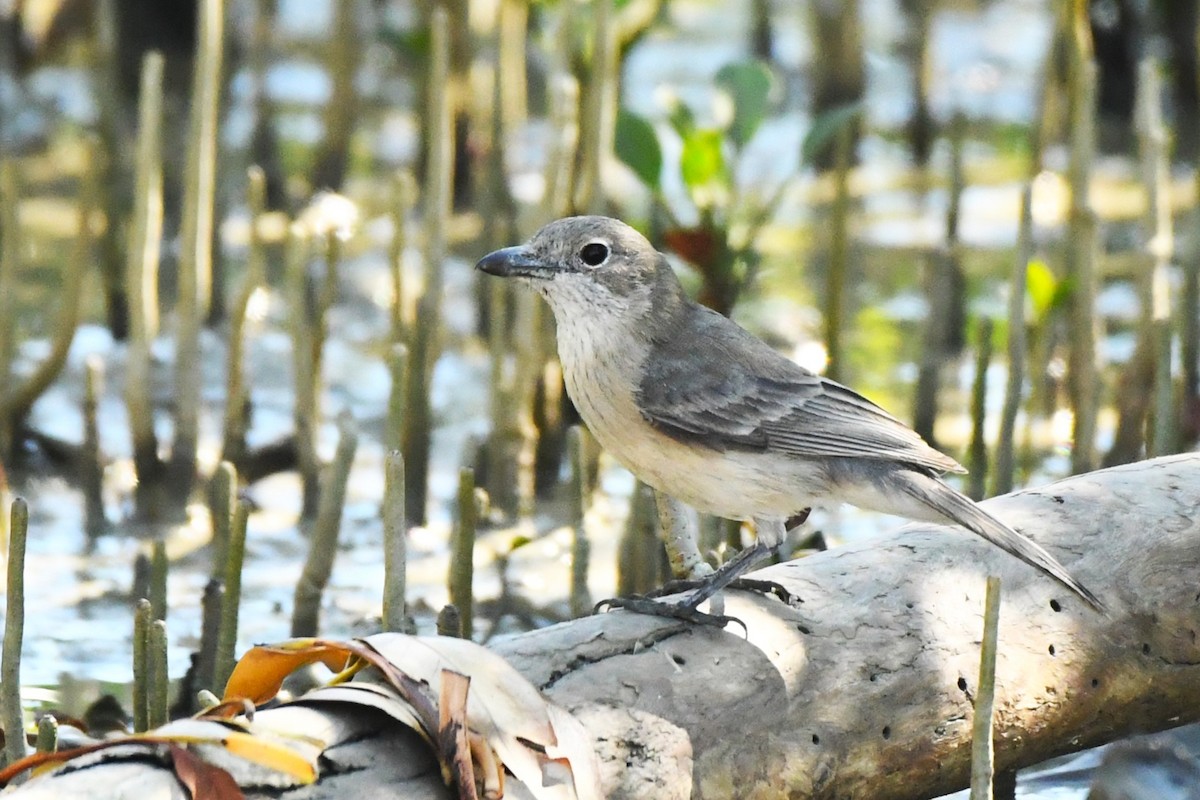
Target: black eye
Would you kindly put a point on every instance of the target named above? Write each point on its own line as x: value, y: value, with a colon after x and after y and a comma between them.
x: 594, y: 254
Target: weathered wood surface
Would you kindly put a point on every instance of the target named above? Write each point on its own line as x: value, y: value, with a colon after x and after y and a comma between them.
x: 864, y: 689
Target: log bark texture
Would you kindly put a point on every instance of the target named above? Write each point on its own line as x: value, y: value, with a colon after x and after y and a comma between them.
x: 863, y: 688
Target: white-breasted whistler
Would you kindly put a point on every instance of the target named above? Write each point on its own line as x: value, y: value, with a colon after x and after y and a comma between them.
x: 709, y: 414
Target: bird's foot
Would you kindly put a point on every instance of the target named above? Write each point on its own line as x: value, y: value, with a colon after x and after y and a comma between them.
x: 649, y: 606
x: 702, y: 589
x: 680, y: 586
x: 766, y: 587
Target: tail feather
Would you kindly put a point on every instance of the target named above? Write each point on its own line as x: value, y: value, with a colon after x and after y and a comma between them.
x: 962, y: 510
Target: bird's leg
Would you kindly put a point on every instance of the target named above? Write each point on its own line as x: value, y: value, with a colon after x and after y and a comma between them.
x: 728, y: 572
x: 770, y: 534
x: 677, y: 527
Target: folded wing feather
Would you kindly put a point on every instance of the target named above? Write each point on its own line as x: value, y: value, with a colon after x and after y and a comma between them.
x: 717, y: 385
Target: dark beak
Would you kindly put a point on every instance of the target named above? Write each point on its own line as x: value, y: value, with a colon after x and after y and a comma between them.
x: 513, y: 262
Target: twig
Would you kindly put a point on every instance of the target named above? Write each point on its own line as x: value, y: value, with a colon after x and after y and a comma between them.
x: 839, y: 254
x: 439, y: 174
x: 982, y: 750
x: 111, y: 164
x: 211, y: 605
x: 1161, y: 247
x: 11, y: 716
x: 196, y: 237
x: 945, y: 291
x: 531, y: 356
x: 439, y: 171
x: 91, y: 466
x: 560, y: 162
x: 511, y: 47
x: 417, y: 422
x: 1082, y: 368
x: 596, y: 121
x: 156, y: 652
x: 339, y: 120
x: 580, y: 597
x: 319, y: 564
x: 9, y: 258
x: 977, y: 451
x: 158, y: 580
x: 305, y: 413
x: 47, y: 735
x: 638, y: 561
x: 449, y: 622
x: 395, y: 546
x: 404, y: 195
x: 141, y: 286
x: 462, y: 551
x: 504, y: 440
x: 1002, y: 480
x: 141, y: 666
x: 397, y: 416
x: 237, y: 394
x: 230, y: 603
x: 221, y: 500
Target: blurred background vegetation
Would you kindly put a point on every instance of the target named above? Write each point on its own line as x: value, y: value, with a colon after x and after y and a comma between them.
x: 255, y: 248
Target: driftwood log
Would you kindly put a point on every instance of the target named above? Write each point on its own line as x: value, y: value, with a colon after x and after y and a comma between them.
x: 864, y: 688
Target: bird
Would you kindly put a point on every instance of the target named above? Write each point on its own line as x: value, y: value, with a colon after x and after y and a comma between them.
x: 702, y: 410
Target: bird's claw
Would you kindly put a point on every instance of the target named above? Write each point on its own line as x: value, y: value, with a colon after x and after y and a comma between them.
x: 679, y: 586
x: 639, y: 604
x: 767, y: 587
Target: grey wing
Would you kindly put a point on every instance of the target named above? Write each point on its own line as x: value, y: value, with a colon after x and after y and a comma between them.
x: 723, y: 388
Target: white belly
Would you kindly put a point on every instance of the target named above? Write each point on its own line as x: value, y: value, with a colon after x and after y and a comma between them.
x: 734, y: 485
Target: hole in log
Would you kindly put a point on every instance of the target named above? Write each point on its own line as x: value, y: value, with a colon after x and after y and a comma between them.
x: 887, y: 732
x: 962, y: 684
x: 679, y: 660
x: 1051, y: 648
x: 816, y: 739
x: 1057, y: 606
x: 1095, y: 682
x: 803, y: 629
x: 1146, y: 649
x: 873, y: 677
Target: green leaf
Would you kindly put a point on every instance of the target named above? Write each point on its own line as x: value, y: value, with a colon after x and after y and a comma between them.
x: 749, y: 86
x: 1041, y: 286
x: 825, y: 128
x: 1062, y: 294
x: 703, y: 160
x: 407, y: 44
x: 637, y: 145
x: 681, y: 118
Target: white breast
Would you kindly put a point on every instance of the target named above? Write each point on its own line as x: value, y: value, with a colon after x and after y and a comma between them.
x: 601, y: 368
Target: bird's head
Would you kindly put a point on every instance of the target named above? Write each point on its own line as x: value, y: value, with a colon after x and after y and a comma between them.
x: 591, y: 265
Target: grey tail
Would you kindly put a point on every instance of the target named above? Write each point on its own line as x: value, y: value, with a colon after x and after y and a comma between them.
x: 947, y: 502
